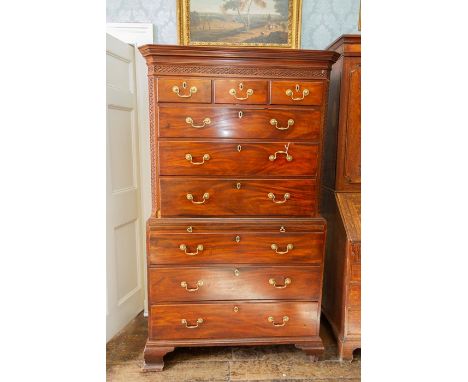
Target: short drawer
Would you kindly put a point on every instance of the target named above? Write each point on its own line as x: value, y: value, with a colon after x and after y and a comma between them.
x: 241, y: 91
x: 236, y: 248
x: 237, y: 122
x: 184, y: 90
x: 234, y: 320
x: 230, y: 283
x: 297, y: 93
x: 192, y: 197
x: 237, y: 159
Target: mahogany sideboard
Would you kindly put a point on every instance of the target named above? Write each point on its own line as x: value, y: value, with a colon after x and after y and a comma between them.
x: 235, y: 244
x: 341, y: 197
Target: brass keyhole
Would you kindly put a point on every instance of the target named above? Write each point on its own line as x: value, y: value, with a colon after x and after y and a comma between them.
x: 241, y: 114
x: 237, y: 239
x: 239, y: 148
x: 236, y: 309
x: 238, y: 186
x: 236, y: 272
x: 189, y: 229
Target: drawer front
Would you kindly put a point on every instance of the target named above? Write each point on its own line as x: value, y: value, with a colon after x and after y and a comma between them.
x: 238, y: 248
x: 184, y: 90
x: 220, y: 122
x: 297, y: 93
x: 229, y: 283
x: 233, y: 320
x: 193, y: 197
x: 234, y: 158
x: 354, y: 295
x: 241, y: 91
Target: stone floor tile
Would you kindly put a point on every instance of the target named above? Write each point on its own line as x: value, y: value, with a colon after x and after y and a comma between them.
x: 173, y: 372
x: 283, y: 370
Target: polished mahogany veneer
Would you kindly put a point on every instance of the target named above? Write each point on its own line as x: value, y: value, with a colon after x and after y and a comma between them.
x: 341, y: 197
x: 235, y: 244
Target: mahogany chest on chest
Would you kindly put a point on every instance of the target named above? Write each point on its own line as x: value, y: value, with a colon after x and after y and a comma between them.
x: 341, y: 197
x: 235, y: 243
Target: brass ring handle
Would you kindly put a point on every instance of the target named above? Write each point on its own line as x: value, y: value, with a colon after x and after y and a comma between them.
x: 206, y: 196
x: 183, y: 247
x: 287, y: 281
x: 192, y: 90
x: 290, y: 93
x: 248, y: 93
x: 289, y: 247
x: 272, y: 196
x: 206, y: 121
x: 206, y: 157
x: 272, y: 320
x: 274, y: 122
x: 289, y: 157
x: 184, y: 322
x: 184, y: 284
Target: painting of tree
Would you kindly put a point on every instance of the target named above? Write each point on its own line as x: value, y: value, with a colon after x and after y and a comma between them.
x: 241, y: 22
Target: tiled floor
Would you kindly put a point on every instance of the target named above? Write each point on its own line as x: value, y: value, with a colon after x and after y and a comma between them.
x: 262, y: 363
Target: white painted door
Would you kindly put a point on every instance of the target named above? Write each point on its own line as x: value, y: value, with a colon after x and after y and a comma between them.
x: 125, y: 292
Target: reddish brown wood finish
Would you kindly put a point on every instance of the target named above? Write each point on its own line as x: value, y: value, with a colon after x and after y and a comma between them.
x: 280, y: 89
x: 166, y: 93
x: 221, y: 320
x: 237, y: 247
x: 225, y: 199
x: 234, y: 283
x: 242, y: 89
x: 239, y: 122
x: 341, y: 199
x: 342, y: 170
x: 238, y: 222
x: 238, y: 158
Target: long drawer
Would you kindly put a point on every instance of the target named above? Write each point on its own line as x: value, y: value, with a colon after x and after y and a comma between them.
x: 235, y: 158
x: 234, y: 320
x: 230, y: 283
x: 238, y: 122
x: 237, y: 197
x: 238, y: 248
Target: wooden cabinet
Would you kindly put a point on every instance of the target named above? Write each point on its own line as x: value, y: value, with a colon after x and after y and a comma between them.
x: 235, y: 243
x: 341, y: 198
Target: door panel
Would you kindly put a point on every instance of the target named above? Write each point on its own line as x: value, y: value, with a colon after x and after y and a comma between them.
x: 125, y: 293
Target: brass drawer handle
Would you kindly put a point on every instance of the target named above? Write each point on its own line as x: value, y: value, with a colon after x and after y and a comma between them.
x: 206, y: 121
x: 206, y: 196
x: 289, y: 157
x: 274, y: 122
x: 184, y: 322
x: 272, y: 320
x: 206, y: 157
x: 183, y: 247
x: 272, y: 196
x: 287, y: 281
x: 248, y: 93
x: 184, y: 284
x: 192, y: 90
x: 290, y: 93
x: 289, y: 247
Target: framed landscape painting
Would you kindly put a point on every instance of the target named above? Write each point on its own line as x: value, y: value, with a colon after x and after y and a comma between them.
x: 254, y: 23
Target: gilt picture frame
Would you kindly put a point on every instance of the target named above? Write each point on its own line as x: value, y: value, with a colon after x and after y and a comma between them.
x: 240, y: 23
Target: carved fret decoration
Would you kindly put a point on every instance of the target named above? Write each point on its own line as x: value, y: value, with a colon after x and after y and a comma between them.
x: 239, y: 71
x: 152, y: 146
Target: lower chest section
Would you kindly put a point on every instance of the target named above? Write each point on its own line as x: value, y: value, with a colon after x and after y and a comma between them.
x: 234, y: 278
